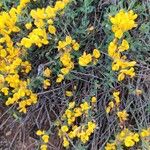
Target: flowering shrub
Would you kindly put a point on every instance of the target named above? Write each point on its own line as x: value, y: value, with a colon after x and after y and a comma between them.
x: 122, y: 22
x: 58, y: 66
x: 70, y: 128
x: 13, y: 65
x: 44, y: 138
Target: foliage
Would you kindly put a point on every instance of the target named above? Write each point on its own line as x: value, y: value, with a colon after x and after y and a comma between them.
x: 77, y: 71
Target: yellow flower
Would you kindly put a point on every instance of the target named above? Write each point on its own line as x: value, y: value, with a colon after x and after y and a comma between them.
x: 52, y: 29
x: 71, y: 105
x: 40, y: 132
x: 118, y: 33
x: 43, y: 147
x: 66, y: 1
x: 136, y: 137
x: 46, y: 83
x: 5, y: 90
x: 28, y: 25
x: 124, y: 46
x: 116, y: 94
x: 65, y: 142
x: 76, y: 46
x: 129, y: 72
x: 121, y: 76
x: 45, y: 138
x: 50, y: 21
x: 69, y: 93
x: 47, y: 72
x: 111, y: 104
x: 110, y: 146
x: 85, y: 59
x: 84, y: 137
x: 112, y: 49
x: 129, y: 142
x: 122, y: 135
x: 71, y: 120
x: 68, y: 40
x: 65, y: 71
x: 2, y: 79
x: 61, y: 45
x: 68, y: 113
x: 108, y: 109
x: 3, y: 53
x: 122, y: 22
x: 9, y: 101
x: 64, y: 128
x: 93, y: 100
x: 72, y: 134
x: 91, y: 126
x: 26, y: 42
x: 60, y: 78
x: 96, y: 53
x: 77, y: 112
x: 145, y: 133
x: 66, y: 59
x: 122, y: 115
x: 116, y: 97
x: 59, y: 5
x: 85, y: 106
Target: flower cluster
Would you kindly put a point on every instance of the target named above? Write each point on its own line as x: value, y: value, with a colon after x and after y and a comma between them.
x: 126, y: 138
x: 13, y: 66
x: 71, y: 128
x: 38, y: 37
x: 47, y: 74
x: 122, y: 22
x: 9, y: 19
x: 65, y: 49
x: 44, y: 137
x: 145, y: 133
x: 114, y: 104
x: 86, y: 59
x: 69, y: 93
x: 122, y: 115
x: 43, y: 19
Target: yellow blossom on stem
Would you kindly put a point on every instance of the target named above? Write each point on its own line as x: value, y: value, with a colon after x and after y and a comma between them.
x: 46, y: 83
x: 52, y: 29
x: 47, y: 72
x: 71, y: 105
x: 129, y: 142
x: 43, y: 147
x: 64, y: 128
x: 93, y: 99
x: 122, y: 115
x: 45, y: 138
x: 85, y: 59
x: 96, y: 53
x: 69, y: 93
x: 76, y: 46
x: 110, y: 146
x: 60, y: 78
x: 85, y: 106
x: 145, y: 133
x: 40, y: 132
x: 28, y: 25
x: 65, y: 142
